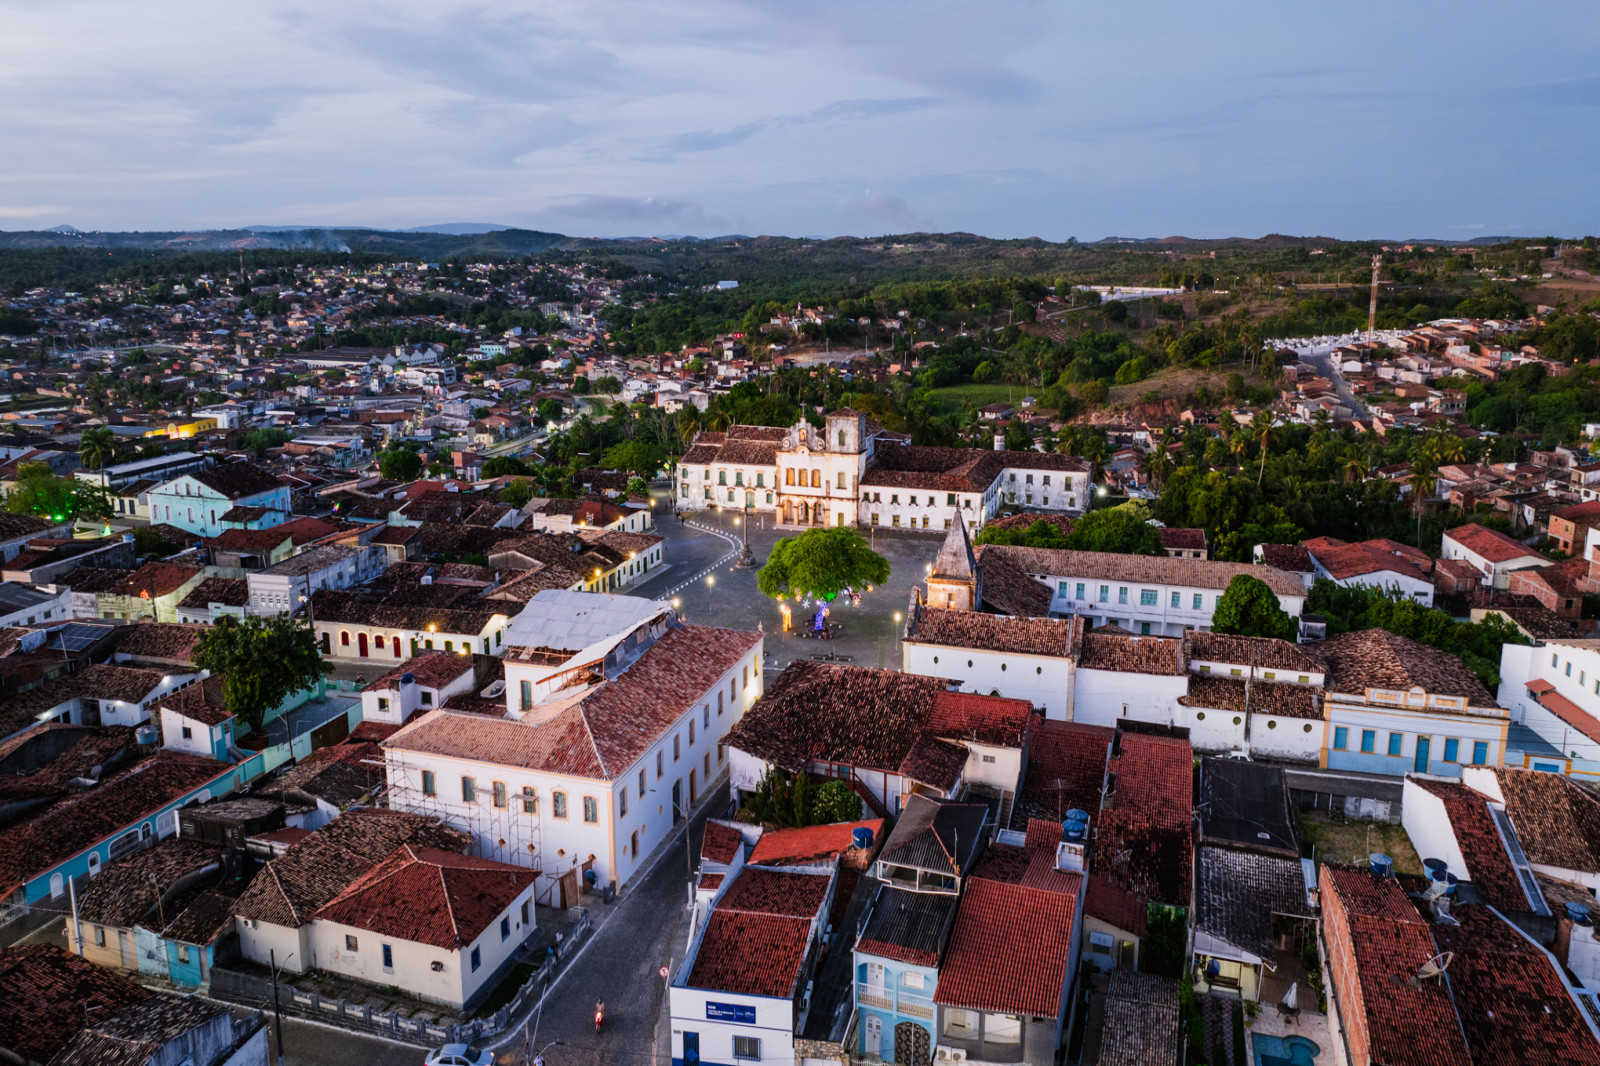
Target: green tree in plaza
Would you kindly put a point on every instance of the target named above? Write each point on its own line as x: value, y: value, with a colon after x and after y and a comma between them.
x: 1249, y: 608
x: 401, y: 464
x: 60, y: 499
x: 636, y: 456
x: 1125, y: 529
x: 262, y: 662
x: 821, y: 563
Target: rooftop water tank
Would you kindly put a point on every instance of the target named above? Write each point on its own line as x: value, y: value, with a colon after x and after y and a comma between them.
x: 861, y: 837
x: 1074, y: 831
x: 1380, y: 864
x: 407, y: 679
x: 1578, y: 913
x: 146, y: 735
x: 1075, y: 815
x: 1437, y: 869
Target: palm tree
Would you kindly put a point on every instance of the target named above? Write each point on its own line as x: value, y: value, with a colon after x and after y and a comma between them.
x: 1355, y: 467
x: 1422, y: 482
x: 1265, y: 433
x: 97, y: 447
x: 1238, y: 444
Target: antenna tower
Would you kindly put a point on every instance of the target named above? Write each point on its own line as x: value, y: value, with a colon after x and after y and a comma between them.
x: 1372, y: 305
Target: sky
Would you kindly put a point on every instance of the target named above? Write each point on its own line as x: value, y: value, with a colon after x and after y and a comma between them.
x: 862, y: 117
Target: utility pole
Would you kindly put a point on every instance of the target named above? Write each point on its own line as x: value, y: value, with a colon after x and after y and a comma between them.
x: 1372, y: 305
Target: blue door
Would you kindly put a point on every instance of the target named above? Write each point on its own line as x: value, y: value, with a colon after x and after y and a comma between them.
x: 1421, y: 764
x: 691, y: 1049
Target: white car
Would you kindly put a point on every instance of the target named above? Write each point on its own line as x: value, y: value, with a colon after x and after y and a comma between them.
x: 459, y: 1055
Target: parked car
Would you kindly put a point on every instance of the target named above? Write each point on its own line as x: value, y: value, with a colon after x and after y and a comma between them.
x: 459, y: 1055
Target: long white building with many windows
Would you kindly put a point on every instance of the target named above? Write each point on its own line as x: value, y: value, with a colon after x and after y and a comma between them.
x: 852, y: 472
x: 613, y: 716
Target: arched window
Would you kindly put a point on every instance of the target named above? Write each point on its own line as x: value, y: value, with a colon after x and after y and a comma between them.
x: 344, y: 639
x: 841, y: 438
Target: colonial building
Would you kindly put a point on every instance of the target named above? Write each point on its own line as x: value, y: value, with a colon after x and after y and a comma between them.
x: 853, y: 472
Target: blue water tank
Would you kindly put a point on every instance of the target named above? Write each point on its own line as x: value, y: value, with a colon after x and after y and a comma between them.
x: 1437, y: 869
x: 1452, y: 880
x: 861, y: 837
x: 1578, y: 913
x: 1074, y: 831
x: 1075, y: 815
x: 1380, y: 864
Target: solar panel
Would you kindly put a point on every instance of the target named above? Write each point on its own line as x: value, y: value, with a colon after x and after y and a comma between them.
x: 76, y: 636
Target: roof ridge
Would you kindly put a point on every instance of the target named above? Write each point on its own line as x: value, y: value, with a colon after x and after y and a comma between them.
x: 583, y: 717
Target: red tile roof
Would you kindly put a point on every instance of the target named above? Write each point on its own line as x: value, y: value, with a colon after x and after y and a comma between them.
x: 781, y: 847
x: 1116, y: 906
x: 752, y: 954
x: 49, y: 992
x: 1488, y: 866
x: 431, y: 669
x: 1509, y: 996
x: 1067, y: 766
x: 1144, y: 842
x: 158, y: 579
x: 1490, y: 544
x: 429, y: 896
x: 794, y: 895
x: 1565, y: 709
x: 1557, y: 820
x: 1009, y: 948
x: 721, y: 843
x: 993, y: 720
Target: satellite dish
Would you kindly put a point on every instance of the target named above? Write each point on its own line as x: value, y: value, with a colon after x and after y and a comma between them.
x: 1437, y: 965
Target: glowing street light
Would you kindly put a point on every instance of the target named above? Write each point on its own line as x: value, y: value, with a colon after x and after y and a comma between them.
x: 711, y: 579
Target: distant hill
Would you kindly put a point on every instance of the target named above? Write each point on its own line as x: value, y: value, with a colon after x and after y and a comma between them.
x: 428, y: 242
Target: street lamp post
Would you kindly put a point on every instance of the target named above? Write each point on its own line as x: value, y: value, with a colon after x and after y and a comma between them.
x: 272, y: 959
x: 746, y: 561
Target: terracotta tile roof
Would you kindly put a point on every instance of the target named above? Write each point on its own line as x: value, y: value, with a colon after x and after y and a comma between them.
x: 428, y: 896
x: 1146, y: 569
x: 432, y: 669
x: 1512, y: 1002
x: 1115, y: 905
x: 226, y: 591
x: 1459, y: 569
x: 130, y: 684
x: 935, y: 762
x: 1066, y: 768
x: 251, y: 540
x: 88, y: 578
x: 237, y: 479
x: 1183, y: 539
x: 113, y: 748
x: 793, y: 895
x: 1270, y: 697
x: 1267, y: 653
x: 756, y: 939
x: 780, y: 847
x: 124, y: 893
x: 1142, y: 1025
x: 1490, y: 544
x: 347, y: 607
x: 291, y: 888
x: 1358, y: 560
x: 602, y: 732
x: 1127, y: 654
x: 32, y: 847
x: 1377, y: 658
x: 1008, y: 589
x: 993, y: 720
x: 1144, y: 841
x: 159, y: 579
x: 992, y: 632
x: 159, y: 640
x: 711, y: 882
x: 720, y: 843
x: 372, y: 732
x: 1009, y: 948
x: 1557, y: 821
x: 201, y: 702
x: 47, y: 992
x: 1389, y: 942
x: 752, y: 954
x: 1290, y: 558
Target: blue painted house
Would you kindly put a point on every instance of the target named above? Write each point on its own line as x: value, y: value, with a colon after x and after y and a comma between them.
x: 78, y: 835
x: 897, y: 958
x: 196, y: 501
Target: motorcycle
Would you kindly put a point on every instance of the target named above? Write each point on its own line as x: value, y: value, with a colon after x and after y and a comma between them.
x: 599, y: 1016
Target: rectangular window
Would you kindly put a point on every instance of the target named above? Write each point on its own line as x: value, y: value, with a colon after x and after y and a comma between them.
x: 477, y: 959
x: 1105, y: 593
x: 527, y: 694
x: 661, y: 762
x: 469, y: 790
x: 525, y: 906
x: 1569, y: 667
x: 691, y: 730
x: 622, y: 803
x: 530, y: 800
x: 505, y: 928
x: 950, y: 499
x: 1369, y: 741
x: 1080, y: 595
x: 188, y: 734
x: 1061, y: 590
x: 677, y: 746
x: 1396, y: 740
x: 428, y: 786
x: 961, y: 1024
x: 1480, y: 752
x: 1122, y: 594
x: 1147, y: 597
x: 641, y: 784
x: 1002, y: 1028
x: 747, y: 1047
x: 1196, y: 601
x: 1452, y: 750
x: 591, y: 809
x: 388, y: 957
x: 1177, y: 599
x: 500, y: 794
x: 842, y: 484
x: 350, y: 943
x: 1555, y: 660
x: 738, y: 478
x: 558, y: 804
x: 1341, y: 737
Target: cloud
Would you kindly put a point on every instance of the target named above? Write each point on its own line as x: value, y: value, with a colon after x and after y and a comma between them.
x: 883, y: 209
x: 27, y: 211
x: 841, y: 110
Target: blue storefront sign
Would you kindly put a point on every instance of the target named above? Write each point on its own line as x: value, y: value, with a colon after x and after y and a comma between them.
x: 730, y: 1012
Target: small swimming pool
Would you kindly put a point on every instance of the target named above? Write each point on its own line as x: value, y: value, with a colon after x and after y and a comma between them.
x: 1284, y: 1050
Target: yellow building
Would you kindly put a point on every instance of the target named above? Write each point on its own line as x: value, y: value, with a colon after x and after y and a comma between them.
x: 182, y: 430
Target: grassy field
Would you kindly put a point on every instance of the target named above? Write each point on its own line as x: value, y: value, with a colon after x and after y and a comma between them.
x: 1178, y: 382
x: 1352, y: 842
x: 953, y: 397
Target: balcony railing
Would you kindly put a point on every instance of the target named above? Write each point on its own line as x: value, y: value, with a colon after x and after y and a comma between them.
x: 909, y: 1003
